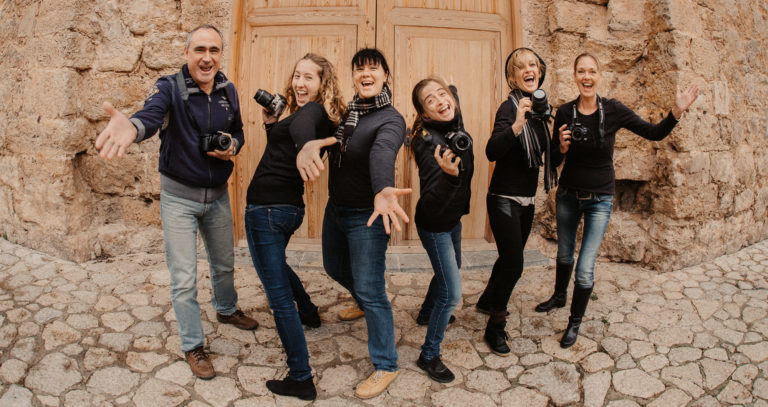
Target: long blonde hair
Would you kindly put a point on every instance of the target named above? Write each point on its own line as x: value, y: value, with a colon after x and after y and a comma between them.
x: 328, y: 95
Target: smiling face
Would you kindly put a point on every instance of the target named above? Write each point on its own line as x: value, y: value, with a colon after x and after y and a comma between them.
x: 526, y: 72
x: 437, y: 103
x: 203, y: 56
x: 587, y: 75
x: 306, y: 81
x: 369, y: 79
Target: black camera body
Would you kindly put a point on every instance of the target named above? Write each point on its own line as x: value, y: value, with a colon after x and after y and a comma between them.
x: 458, y: 141
x: 579, y: 132
x: 215, y: 141
x: 540, y: 108
x: 275, y: 104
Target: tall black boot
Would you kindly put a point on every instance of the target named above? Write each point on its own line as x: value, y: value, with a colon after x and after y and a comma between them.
x: 495, y: 335
x: 578, y: 306
x: 562, y: 278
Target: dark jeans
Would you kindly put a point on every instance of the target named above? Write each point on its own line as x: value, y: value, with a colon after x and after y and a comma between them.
x: 444, y: 293
x: 596, y: 210
x: 269, y: 228
x: 355, y: 256
x: 511, y: 224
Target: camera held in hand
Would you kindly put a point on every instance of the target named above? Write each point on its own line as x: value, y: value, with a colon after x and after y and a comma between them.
x: 215, y: 141
x: 540, y: 108
x: 579, y: 132
x: 458, y: 141
x: 274, y: 104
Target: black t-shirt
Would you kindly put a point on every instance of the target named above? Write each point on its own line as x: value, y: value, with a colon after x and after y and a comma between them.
x: 512, y: 176
x: 368, y: 165
x: 277, y: 180
x: 589, y: 165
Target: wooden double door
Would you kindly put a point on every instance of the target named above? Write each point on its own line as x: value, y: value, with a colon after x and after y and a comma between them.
x: 464, y: 42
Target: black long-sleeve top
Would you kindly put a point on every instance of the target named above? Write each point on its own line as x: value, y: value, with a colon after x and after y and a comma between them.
x: 277, y: 180
x: 589, y: 165
x: 368, y: 164
x: 512, y: 176
x: 444, y: 198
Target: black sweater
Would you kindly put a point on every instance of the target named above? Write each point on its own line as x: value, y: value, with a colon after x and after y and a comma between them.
x: 589, y: 165
x: 444, y: 198
x: 368, y: 165
x: 512, y: 176
x: 277, y: 180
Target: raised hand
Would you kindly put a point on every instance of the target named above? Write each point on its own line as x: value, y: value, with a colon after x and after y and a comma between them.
x: 117, y: 136
x: 684, y: 99
x: 385, y: 204
x: 448, y: 161
x: 309, y: 162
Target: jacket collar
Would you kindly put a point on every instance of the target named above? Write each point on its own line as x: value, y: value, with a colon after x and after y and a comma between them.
x: 220, y: 81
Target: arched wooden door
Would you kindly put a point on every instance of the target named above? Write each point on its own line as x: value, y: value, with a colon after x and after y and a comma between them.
x: 463, y: 42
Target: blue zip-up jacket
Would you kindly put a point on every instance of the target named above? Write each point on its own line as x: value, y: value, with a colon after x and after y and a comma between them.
x: 181, y: 158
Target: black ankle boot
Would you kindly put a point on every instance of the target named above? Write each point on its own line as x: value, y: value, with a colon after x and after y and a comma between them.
x: 496, y: 338
x: 304, y: 390
x: 578, y: 307
x: 311, y: 319
x: 558, y: 299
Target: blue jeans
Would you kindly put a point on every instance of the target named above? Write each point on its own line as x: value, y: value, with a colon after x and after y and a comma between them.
x: 444, y: 293
x: 269, y: 228
x: 355, y: 256
x: 181, y: 220
x: 596, y: 209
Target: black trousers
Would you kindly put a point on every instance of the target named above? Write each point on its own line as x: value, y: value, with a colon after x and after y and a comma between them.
x: 511, y: 225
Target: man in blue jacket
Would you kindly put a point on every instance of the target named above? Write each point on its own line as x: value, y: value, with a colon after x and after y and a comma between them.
x: 198, y: 116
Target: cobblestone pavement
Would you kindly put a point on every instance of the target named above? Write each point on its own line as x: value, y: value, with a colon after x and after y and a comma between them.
x: 103, y: 334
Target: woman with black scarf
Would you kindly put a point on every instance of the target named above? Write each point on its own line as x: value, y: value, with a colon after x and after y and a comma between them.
x: 443, y: 152
x: 517, y: 145
x: 361, y: 187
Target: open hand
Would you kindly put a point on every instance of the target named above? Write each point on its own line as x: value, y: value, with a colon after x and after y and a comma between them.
x: 684, y: 99
x: 385, y: 204
x: 117, y: 136
x: 309, y: 162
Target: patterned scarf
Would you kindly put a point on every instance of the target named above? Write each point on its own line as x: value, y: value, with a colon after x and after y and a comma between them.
x: 532, y: 148
x: 360, y: 107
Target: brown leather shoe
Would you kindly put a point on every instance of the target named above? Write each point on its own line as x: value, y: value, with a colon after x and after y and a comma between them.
x: 239, y: 320
x: 375, y: 384
x: 352, y: 313
x: 200, y: 364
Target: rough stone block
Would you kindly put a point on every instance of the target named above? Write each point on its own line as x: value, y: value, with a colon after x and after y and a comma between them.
x: 164, y: 50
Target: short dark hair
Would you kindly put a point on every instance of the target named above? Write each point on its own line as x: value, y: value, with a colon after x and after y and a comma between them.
x: 203, y: 27
x: 370, y: 56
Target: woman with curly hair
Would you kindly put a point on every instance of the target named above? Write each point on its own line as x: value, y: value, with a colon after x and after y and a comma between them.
x: 275, y: 207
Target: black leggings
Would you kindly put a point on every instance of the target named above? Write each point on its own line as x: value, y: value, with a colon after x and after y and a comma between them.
x: 511, y: 224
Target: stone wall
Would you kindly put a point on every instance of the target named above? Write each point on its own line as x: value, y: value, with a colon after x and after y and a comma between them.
x: 700, y: 193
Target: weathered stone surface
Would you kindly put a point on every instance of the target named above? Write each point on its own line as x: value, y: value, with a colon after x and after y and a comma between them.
x: 17, y: 396
x: 454, y: 397
x: 583, y: 347
x: 219, y: 391
x: 113, y: 381
x: 756, y: 353
x: 12, y: 370
x: 716, y: 372
x: 336, y: 380
x: 54, y: 374
x: 596, y: 362
x: 636, y: 383
x: 159, y: 393
x: 58, y: 333
x: 461, y: 353
x: 523, y: 397
x: 595, y: 388
x: 178, y: 373
x: 145, y: 361
x: 558, y: 380
x: 252, y: 379
x: 409, y: 385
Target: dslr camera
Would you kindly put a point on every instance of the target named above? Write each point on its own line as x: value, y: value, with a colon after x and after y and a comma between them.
x: 458, y: 141
x: 215, y: 141
x: 540, y: 108
x: 579, y: 132
x: 275, y: 104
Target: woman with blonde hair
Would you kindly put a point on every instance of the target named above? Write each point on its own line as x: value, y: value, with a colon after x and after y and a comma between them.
x: 275, y: 207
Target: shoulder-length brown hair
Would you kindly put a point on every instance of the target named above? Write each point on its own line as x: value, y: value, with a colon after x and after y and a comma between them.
x: 328, y: 95
x: 418, y: 122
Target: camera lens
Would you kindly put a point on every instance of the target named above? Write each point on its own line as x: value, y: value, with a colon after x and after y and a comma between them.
x: 263, y: 97
x: 539, y: 102
x: 222, y: 142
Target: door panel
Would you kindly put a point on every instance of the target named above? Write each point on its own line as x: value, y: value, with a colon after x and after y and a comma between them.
x: 275, y: 36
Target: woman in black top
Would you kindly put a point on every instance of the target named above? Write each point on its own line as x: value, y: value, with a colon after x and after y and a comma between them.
x: 517, y: 145
x: 443, y: 152
x: 587, y: 129
x: 361, y: 187
x: 275, y: 208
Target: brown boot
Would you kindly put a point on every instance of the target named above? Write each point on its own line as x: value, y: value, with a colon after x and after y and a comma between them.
x: 352, y: 313
x: 375, y: 384
x: 239, y: 320
x: 200, y: 364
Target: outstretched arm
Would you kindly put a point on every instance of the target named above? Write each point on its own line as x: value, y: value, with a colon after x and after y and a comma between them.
x: 308, y: 160
x: 684, y: 99
x: 117, y: 136
x: 385, y: 204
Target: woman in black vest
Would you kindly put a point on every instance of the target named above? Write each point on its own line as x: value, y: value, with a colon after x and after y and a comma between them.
x: 587, y: 129
x: 275, y: 208
x: 519, y: 146
x: 443, y: 152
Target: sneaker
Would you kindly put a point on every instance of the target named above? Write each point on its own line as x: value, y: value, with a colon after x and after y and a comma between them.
x: 311, y: 320
x: 239, y: 320
x: 375, y: 384
x: 305, y: 390
x: 200, y: 363
x: 436, y: 370
x: 351, y: 313
x: 424, y: 319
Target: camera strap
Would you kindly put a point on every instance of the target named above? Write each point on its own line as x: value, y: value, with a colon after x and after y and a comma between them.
x: 601, y: 112
x: 181, y: 83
